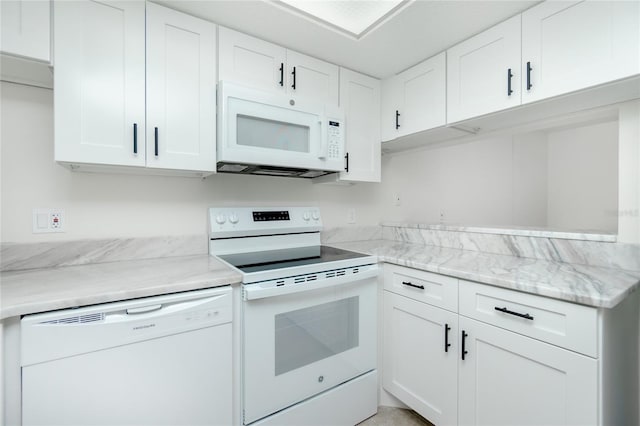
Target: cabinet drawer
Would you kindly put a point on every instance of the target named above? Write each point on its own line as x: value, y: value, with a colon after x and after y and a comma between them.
x: 560, y: 323
x: 434, y: 289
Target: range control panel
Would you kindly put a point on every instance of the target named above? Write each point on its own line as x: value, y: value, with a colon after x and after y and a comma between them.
x: 225, y: 222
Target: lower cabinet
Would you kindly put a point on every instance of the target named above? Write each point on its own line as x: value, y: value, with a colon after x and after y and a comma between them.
x: 483, y: 355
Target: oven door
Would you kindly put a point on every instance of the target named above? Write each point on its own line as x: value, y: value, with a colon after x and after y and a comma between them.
x: 298, y: 345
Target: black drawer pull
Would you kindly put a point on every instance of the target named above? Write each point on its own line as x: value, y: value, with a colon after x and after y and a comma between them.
x: 135, y: 138
x: 529, y: 85
x: 509, y: 77
x: 446, y: 337
x: 293, y: 86
x: 155, y: 136
x: 397, y: 117
x: 281, y: 73
x: 410, y: 284
x: 518, y: 314
x: 464, y: 337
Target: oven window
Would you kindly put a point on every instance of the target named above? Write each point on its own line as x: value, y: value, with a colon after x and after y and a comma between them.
x: 311, y: 334
x: 258, y: 132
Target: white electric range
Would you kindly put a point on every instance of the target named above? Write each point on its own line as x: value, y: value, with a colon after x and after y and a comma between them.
x: 308, y: 323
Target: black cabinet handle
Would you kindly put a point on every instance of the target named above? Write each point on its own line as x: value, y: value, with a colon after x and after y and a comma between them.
x: 464, y: 337
x: 293, y: 86
x: 155, y: 131
x: 518, y: 314
x: 509, y: 77
x: 529, y: 85
x: 346, y: 160
x: 135, y: 138
x: 446, y: 337
x: 397, y: 123
x: 281, y: 73
x: 410, y: 284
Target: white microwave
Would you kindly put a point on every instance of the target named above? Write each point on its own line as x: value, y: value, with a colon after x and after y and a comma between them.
x: 272, y: 134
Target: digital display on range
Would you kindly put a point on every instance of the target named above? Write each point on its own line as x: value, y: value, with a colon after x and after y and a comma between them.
x: 265, y: 216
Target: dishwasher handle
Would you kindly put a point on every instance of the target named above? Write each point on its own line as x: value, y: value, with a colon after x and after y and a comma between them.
x: 143, y: 309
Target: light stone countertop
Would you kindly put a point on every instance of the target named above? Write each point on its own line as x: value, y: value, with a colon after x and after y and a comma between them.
x: 587, y: 285
x: 40, y: 290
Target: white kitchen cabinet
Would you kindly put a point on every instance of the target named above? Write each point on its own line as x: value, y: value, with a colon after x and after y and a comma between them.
x: 181, y: 89
x: 420, y: 357
x: 483, y: 72
x: 506, y: 379
x: 26, y: 29
x: 99, y: 88
x: 100, y: 104
x: 415, y: 100
x: 520, y: 358
x: 567, y: 46
x: 257, y: 63
x: 312, y: 78
x: 360, y: 100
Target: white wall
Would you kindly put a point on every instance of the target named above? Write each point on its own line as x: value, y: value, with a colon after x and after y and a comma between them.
x: 113, y: 205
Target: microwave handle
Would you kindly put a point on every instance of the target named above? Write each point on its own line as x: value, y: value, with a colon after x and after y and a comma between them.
x: 324, y: 144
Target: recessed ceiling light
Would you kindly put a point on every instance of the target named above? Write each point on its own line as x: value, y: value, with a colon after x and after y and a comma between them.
x: 355, y: 17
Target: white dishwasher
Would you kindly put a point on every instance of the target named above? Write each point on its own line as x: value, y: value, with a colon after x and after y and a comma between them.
x: 162, y: 360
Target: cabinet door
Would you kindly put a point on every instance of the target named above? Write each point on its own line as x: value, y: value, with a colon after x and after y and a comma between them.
x: 508, y: 379
x: 390, y: 107
x: 360, y: 99
x: 574, y: 45
x: 250, y: 61
x: 26, y: 28
x: 312, y: 78
x: 422, y: 96
x: 416, y: 368
x: 479, y: 69
x: 99, y: 86
x: 181, y: 87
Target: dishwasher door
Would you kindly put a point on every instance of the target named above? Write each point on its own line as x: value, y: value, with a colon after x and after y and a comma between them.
x: 156, y: 361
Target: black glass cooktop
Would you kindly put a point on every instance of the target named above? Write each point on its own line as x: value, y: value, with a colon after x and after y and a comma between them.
x: 287, y: 258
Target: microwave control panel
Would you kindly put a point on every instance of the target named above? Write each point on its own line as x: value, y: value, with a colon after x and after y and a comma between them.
x: 335, y: 139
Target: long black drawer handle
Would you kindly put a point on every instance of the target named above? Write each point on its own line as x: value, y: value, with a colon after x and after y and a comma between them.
x: 397, y: 123
x: 410, y: 284
x: 446, y: 337
x: 518, y: 314
x: 155, y: 131
x: 529, y: 85
x: 135, y: 138
x: 464, y: 337
x: 509, y: 77
x: 281, y: 73
x: 293, y: 86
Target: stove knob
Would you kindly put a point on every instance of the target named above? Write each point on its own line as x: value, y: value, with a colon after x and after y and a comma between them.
x: 220, y: 219
x: 316, y: 216
x: 305, y: 216
x: 233, y: 218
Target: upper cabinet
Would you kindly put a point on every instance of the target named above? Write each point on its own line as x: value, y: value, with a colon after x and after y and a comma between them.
x: 181, y: 91
x: 99, y: 89
x: 483, y: 72
x: 26, y: 28
x: 360, y: 99
x: 415, y: 99
x: 99, y: 92
x: 567, y: 46
x: 256, y: 63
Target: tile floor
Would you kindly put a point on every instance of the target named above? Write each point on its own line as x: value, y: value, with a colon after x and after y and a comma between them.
x: 390, y: 416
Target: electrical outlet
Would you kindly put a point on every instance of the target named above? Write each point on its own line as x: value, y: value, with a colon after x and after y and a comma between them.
x: 351, y: 216
x: 396, y: 199
x: 47, y: 220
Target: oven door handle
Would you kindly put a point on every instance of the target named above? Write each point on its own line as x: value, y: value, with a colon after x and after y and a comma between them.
x: 254, y: 291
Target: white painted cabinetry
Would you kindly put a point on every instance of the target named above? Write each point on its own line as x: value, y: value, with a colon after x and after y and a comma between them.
x: 100, y: 82
x: 567, y: 46
x: 25, y: 29
x: 360, y: 100
x: 415, y: 100
x: 181, y: 91
x: 519, y: 358
x: 257, y: 63
x: 99, y: 87
x: 483, y: 72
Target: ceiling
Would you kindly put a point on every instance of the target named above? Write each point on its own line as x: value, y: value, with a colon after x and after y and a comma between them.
x: 418, y: 31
